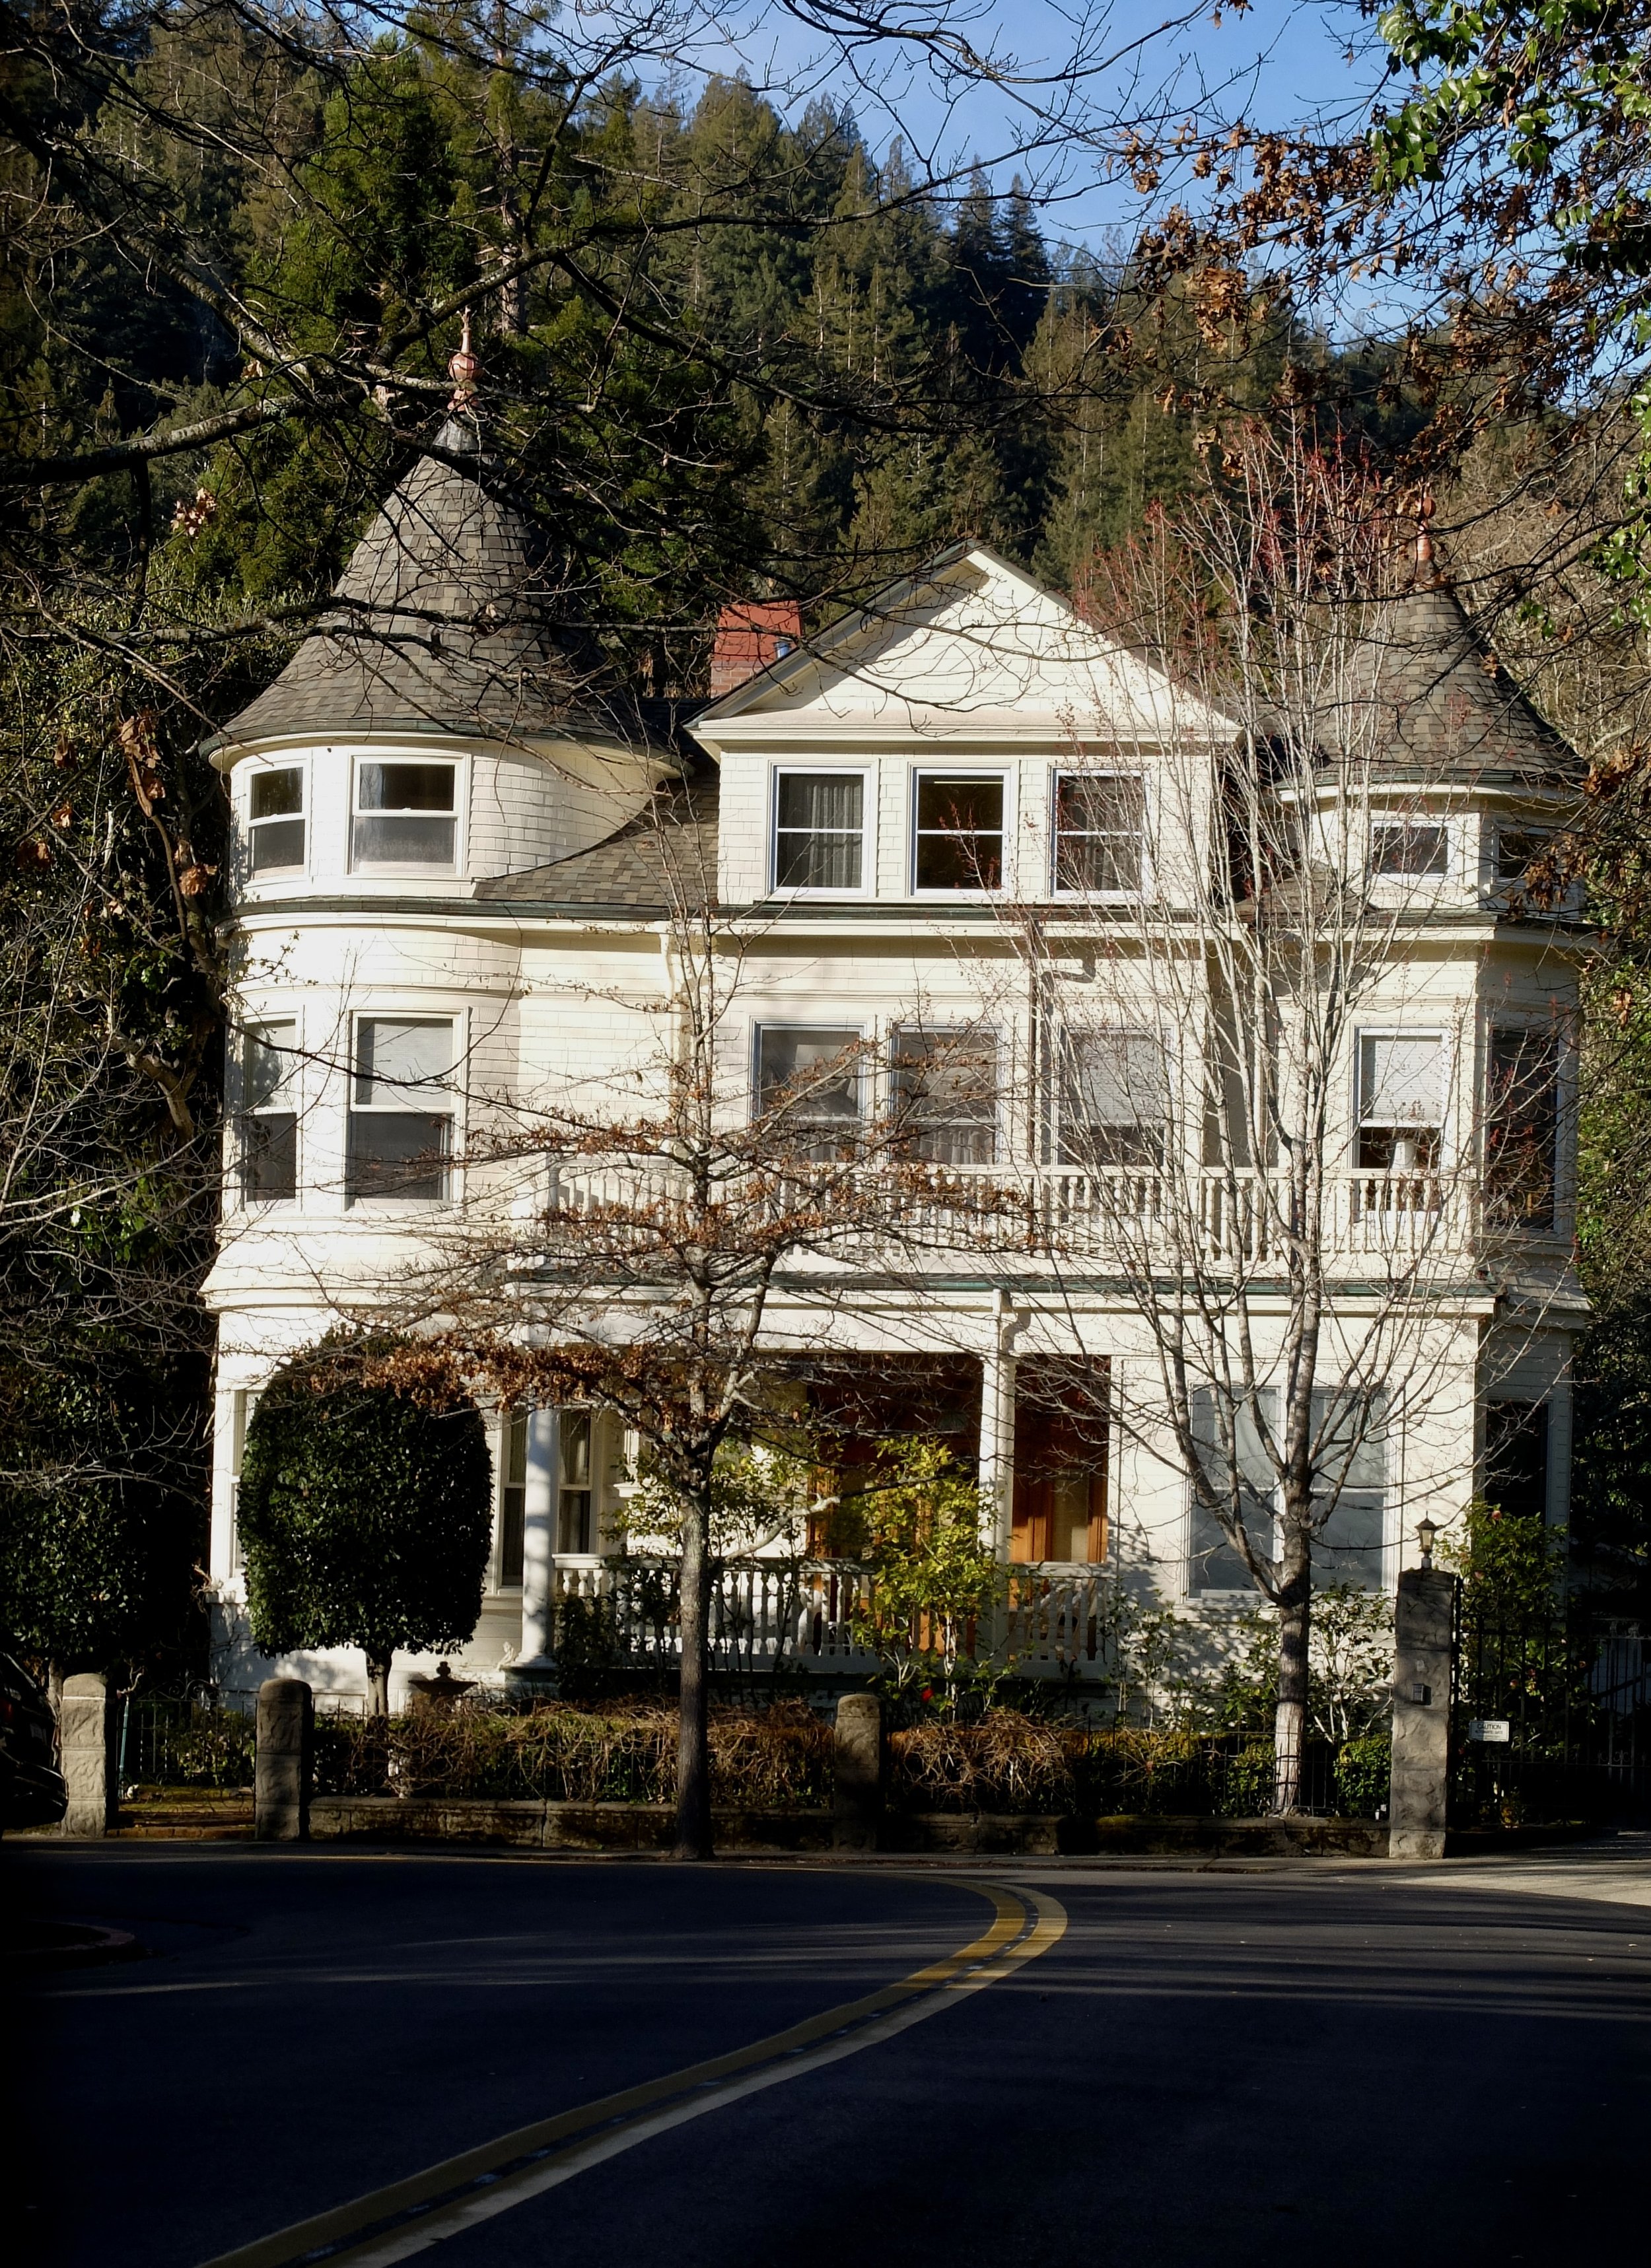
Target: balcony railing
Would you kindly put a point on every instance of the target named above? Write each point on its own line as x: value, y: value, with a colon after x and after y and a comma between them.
x: 1194, y: 1217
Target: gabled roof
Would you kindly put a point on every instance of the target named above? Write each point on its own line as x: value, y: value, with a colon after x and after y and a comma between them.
x: 970, y: 642
x: 442, y: 625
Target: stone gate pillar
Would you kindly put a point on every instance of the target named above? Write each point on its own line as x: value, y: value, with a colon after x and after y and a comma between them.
x: 86, y: 1736
x: 1423, y: 1639
x: 284, y: 1768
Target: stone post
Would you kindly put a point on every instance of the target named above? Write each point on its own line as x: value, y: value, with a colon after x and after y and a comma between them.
x: 1423, y: 1630
x: 88, y: 1729
x: 284, y: 1768
x: 857, y: 1773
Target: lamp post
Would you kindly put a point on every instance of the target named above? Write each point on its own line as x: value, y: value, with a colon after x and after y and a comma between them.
x: 1426, y: 1531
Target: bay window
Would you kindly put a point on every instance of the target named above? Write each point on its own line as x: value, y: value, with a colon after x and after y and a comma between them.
x: 512, y: 1497
x: 275, y: 819
x: 400, y: 1113
x: 1521, y: 1132
x: 405, y: 815
x: 268, y: 1118
x: 575, y: 1527
x: 1401, y: 1102
x: 1413, y: 847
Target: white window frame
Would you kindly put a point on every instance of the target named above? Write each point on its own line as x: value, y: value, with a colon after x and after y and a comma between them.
x: 1445, y: 820
x: 974, y: 894
x: 864, y: 1091
x: 254, y: 1028
x: 260, y: 768
x: 459, y: 765
x: 1447, y: 1074
x: 985, y: 1034
x: 867, y: 774
x: 1565, y: 1113
x: 1171, y: 1060
x: 1148, y: 784
x: 395, y: 1012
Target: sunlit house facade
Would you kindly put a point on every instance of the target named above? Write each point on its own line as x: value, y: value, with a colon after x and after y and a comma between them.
x: 958, y: 826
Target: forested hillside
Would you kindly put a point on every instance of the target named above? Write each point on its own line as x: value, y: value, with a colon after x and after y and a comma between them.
x: 724, y: 353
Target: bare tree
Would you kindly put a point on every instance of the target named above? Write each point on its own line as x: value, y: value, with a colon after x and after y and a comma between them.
x: 629, y: 1239
x: 1258, y: 1068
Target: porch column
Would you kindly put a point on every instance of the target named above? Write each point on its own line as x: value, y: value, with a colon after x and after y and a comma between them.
x: 538, y: 1542
x: 997, y: 1425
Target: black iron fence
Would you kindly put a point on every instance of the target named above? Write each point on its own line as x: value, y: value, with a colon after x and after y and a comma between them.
x: 162, y: 1741
x: 1551, y: 1721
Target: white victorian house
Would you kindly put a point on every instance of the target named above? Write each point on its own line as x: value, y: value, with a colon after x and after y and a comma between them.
x: 966, y: 827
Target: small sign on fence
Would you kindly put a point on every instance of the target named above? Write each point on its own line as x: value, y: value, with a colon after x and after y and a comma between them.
x: 1489, y: 1728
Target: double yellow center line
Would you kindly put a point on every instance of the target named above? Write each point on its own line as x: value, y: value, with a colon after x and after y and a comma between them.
x: 408, y: 2216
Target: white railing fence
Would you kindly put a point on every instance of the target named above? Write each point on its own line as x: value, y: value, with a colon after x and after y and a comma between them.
x: 1052, y: 1620
x: 1193, y: 1217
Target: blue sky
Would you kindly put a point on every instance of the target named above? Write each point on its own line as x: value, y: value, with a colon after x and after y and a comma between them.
x: 1274, y: 64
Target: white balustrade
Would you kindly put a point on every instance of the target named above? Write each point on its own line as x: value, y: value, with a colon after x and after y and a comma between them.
x: 765, y: 1614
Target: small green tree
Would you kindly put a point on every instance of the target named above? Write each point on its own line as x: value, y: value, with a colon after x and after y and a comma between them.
x: 366, y: 1513
x: 918, y: 1521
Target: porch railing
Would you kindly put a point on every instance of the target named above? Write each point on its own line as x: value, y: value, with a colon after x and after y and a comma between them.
x: 1053, y: 1619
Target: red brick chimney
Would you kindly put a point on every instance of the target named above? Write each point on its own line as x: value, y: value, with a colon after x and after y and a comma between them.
x: 749, y: 638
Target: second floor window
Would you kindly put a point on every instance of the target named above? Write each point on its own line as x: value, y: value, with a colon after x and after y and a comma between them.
x: 1401, y: 1102
x: 269, y: 1118
x: 1113, y: 1101
x: 819, y: 831
x: 1099, y: 833
x: 405, y: 815
x: 400, y: 1110
x: 945, y: 1095
x: 1416, y: 847
x: 275, y: 821
x: 1521, y: 1131
x: 806, y: 1076
x: 958, y: 836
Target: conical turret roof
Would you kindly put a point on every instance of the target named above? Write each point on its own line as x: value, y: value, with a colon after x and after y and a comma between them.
x: 441, y: 625
x: 1448, y: 713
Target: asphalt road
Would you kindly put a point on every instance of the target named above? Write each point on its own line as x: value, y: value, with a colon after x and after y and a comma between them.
x: 1318, y: 2064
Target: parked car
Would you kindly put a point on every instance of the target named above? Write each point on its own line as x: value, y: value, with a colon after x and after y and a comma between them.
x: 32, y: 1791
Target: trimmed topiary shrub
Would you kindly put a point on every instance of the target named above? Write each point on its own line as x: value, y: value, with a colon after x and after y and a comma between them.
x: 366, y: 1513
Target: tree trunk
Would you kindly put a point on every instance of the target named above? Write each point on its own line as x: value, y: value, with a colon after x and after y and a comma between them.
x: 1289, y: 1728
x: 377, y: 1684
x: 693, y: 1759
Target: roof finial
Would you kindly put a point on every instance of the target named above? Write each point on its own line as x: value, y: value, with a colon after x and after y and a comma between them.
x: 1424, y: 540
x: 465, y: 368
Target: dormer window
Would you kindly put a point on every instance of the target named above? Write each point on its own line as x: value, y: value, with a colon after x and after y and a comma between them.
x: 405, y: 815
x: 958, y: 832
x: 275, y: 821
x: 1418, y: 849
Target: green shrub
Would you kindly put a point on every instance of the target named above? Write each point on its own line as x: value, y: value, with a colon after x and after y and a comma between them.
x: 1364, y: 1774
